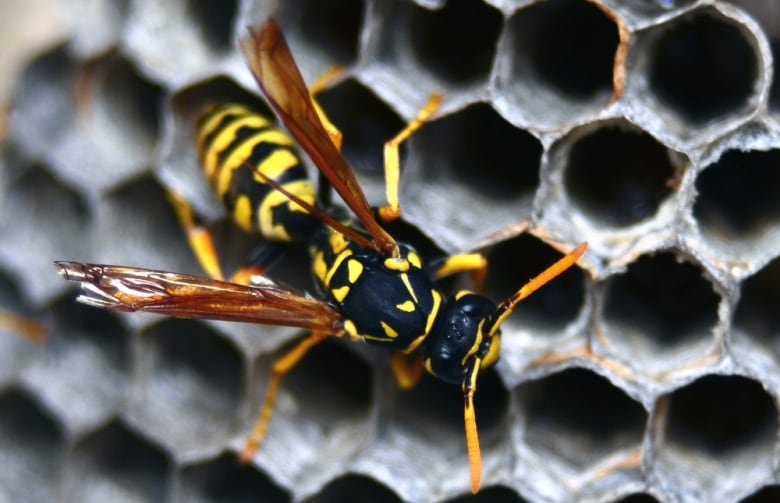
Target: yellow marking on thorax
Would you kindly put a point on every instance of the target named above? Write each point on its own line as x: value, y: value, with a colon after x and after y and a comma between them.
x: 429, y: 321
x: 406, y: 306
x: 414, y: 259
x: 340, y: 293
x: 396, y: 264
x: 408, y: 285
x: 354, y: 270
x: 388, y: 330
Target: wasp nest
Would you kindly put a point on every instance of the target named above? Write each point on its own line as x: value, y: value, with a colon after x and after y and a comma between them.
x: 651, y: 372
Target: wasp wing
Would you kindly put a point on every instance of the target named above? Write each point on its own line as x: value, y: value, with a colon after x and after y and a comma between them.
x: 127, y: 289
x: 277, y: 74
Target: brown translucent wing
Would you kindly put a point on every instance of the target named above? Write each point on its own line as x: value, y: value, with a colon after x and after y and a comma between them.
x: 275, y: 70
x: 126, y: 289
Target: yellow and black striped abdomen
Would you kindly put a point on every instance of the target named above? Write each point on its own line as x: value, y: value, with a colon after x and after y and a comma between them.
x: 234, y: 143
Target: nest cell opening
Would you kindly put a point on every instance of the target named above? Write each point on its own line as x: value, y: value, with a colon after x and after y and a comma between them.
x: 367, y: 123
x: 619, y: 176
x: 227, y: 480
x: 549, y: 309
x: 659, y: 307
x: 737, y: 195
x: 332, y: 26
x: 580, y: 417
x: 215, y: 18
x: 564, y: 45
x: 493, y: 494
x: 703, y: 67
x: 721, y: 416
x: 757, y: 312
x: 32, y: 445
x: 113, y: 463
x: 483, y: 152
x: 195, y: 381
x: 351, y: 488
x: 766, y: 494
x: 458, y: 42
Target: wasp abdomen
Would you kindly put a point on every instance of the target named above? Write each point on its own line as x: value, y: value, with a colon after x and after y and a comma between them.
x: 235, y: 145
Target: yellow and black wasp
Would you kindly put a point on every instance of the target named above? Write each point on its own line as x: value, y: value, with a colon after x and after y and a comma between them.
x: 376, y: 289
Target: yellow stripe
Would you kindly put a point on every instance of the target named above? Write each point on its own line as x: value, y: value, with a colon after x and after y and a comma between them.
x: 242, y: 212
x: 407, y: 306
x: 428, y: 323
x: 224, y: 137
x: 335, y: 266
x: 276, y: 163
x: 265, y: 216
x: 477, y: 343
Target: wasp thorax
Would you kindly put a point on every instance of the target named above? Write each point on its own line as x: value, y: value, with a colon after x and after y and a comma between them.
x: 462, y: 332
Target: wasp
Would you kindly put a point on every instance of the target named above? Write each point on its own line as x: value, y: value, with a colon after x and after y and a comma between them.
x: 375, y: 289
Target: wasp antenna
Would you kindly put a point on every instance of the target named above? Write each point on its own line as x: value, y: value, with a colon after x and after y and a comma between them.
x: 470, y: 422
x: 506, y: 306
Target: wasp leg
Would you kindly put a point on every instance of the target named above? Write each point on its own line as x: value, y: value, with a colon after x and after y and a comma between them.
x: 475, y: 263
x: 392, y: 163
x: 202, y: 245
x: 25, y: 327
x: 280, y: 367
x: 320, y: 83
x: 407, y: 370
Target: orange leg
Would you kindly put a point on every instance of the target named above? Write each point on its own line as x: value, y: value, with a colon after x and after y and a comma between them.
x: 25, y: 327
x: 323, y: 81
x: 280, y: 367
x: 470, y: 422
x: 407, y: 370
x: 392, y: 210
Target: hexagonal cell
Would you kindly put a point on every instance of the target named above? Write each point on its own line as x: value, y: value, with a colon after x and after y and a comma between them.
x: 191, y: 387
x: 353, y: 489
x: 694, y: 73
x: 766, y: 15
x: 330, y: 30
x: 321, y: 415
x: 32, y: 446
x: 618, y: 175
x: 473, y: 158
x: 43, y: 215
x: 737, y: 205
x: 115, y: 464
x: 756, y: 314
x: 182, y: 38
x: 638, y: 498
x: 117, y: 125
x: 494, y: 494
x: 717, y: 437
x: 424, y: 438
x: 83, y: 372
x: 577, y: 426
x: 660, y: 314
x: 43, y: 103
x: 654, y: 8
x: 559, y: 69
x: 550, y: 309
x: 97, y: 25
x: 367, y: 123
x: 136, y: 226
x: 16, y: 351
x: 766, y: 494
x: 448, y: 45
x: 226, y: 480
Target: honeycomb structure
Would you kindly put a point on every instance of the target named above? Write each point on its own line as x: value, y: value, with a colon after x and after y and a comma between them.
x: 651, y: 372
